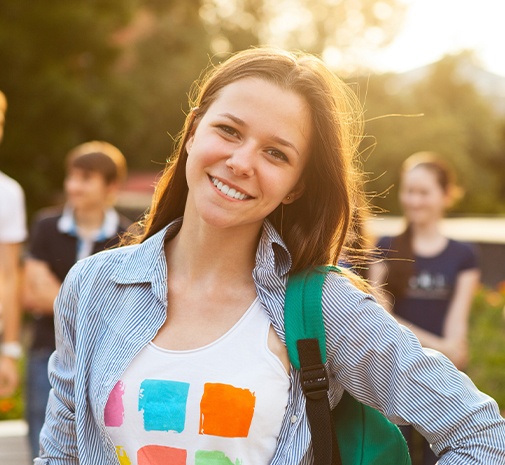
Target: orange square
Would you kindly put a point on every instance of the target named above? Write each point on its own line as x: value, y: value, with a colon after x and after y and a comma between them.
x: 226, y: 410
x: 161, y: 455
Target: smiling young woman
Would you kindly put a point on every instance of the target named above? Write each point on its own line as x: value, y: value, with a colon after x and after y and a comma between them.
x: 172, y: 349
x: 254, y: 140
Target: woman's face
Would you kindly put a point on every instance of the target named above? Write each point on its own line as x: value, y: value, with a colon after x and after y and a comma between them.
x: 422, y: 197
x: 247, y: 154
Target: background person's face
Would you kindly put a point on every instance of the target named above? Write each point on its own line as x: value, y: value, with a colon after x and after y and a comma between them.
x: 86, y: 189
x: 421, y: 196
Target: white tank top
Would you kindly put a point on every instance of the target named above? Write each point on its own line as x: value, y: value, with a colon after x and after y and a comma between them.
x: 221, y: 404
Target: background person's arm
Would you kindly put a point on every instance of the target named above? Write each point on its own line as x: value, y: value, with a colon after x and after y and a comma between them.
x: 377, y: 276
x: 11, y: 316
x: 40, y: 287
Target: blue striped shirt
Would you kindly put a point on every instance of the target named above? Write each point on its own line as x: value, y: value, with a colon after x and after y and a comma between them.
x: 113, y: 303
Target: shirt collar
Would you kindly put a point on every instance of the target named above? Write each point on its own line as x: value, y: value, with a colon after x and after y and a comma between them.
x: 147, y: 259
x: 271, y: 255
x: 109, y: 228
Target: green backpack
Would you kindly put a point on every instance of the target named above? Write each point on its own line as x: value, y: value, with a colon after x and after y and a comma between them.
x: 352, y: 433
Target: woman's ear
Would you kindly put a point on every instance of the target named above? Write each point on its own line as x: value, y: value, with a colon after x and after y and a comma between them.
x: 192, y: 128
x: 294, y: 194
x: 189, y: 142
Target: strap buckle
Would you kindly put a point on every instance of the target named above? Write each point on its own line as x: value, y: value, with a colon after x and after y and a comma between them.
x: 314, y: 380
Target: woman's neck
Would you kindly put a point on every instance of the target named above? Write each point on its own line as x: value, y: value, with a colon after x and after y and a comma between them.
x: 200, y: 252
x: 428, y: 240
x: 427, y: 230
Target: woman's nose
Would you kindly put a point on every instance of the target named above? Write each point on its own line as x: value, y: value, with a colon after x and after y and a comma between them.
x: 241, y: 160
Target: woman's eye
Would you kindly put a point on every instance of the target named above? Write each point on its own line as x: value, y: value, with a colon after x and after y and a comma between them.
x: 277, y: 154
x: 227, y: 129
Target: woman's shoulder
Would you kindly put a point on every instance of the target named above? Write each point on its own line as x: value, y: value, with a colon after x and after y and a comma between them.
x: 462, y: 246
x: 341, y: 294
x: 465, y: 252
x: 351, y: 313
x: 386, y: 246
x: 101, y: 265
x: 139, y: 262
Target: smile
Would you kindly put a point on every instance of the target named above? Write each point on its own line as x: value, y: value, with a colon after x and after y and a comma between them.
x: 229, y: 191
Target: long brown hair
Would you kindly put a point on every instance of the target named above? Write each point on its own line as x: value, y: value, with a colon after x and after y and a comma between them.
x: 402, y: 268
x: 314, y: 226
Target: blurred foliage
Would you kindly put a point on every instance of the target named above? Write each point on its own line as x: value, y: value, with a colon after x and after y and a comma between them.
x: 13, y: 407
x: 58, y: 75
x: 120, y: 70
x: 160, y: 65
x: 442, y: 111
x: 114, y: 70
x: 342, y: 30
x: 487, y: 344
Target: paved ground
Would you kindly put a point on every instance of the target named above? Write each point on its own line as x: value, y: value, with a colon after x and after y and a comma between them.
x: 14, y: 443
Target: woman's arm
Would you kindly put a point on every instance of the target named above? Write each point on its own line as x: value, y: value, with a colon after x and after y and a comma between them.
x: 58, y: 439
x: 382, y: 364
x: 40, y: 288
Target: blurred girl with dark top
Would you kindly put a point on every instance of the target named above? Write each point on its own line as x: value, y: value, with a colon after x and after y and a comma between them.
x: 427, y: 279
x: 87, y: 224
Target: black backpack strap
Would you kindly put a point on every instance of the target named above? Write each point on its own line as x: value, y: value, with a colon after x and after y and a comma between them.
x: 315, y: 384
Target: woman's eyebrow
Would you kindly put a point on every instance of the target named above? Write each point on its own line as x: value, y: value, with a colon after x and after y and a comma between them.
x: 285, y: 143
x: 234, y: 118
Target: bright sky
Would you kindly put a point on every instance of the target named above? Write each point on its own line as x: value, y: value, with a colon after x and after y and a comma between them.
x: 434, y: 28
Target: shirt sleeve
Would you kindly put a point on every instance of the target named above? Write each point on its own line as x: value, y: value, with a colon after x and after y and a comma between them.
x: 382, y: 364
x: 58, y: 438
x: 469, y: 257
x: 12, y: 215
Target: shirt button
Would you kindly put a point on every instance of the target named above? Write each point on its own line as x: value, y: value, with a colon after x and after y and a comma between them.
x: 294, y: 419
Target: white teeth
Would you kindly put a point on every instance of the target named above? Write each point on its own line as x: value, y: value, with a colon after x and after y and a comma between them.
x: 230, y: 192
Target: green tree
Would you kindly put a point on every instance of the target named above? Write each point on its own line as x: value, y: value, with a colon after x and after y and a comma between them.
x: 120, y: 70
x: 457, y: 121
x: 161, y: 64
x: 58, y: 74
x: 115, y: 70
